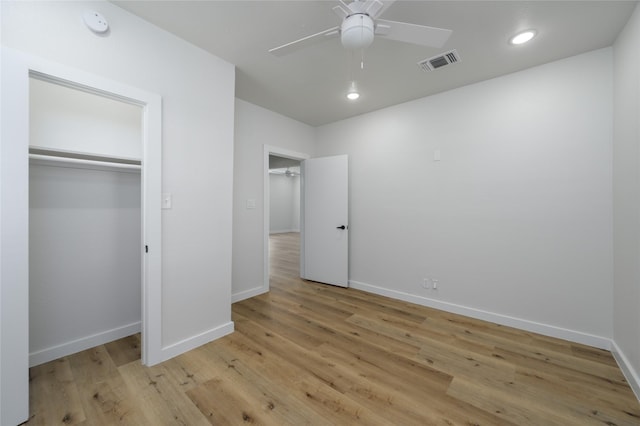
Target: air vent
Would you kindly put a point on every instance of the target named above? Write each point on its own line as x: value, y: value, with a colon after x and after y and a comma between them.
x: 439, y: 61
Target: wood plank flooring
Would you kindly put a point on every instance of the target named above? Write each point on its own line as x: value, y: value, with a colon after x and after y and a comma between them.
x: 308, y: 353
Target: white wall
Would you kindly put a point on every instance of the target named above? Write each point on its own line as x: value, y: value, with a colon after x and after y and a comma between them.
x: 75, y: 121
x: 514, y: 221
x: 197, y: 132
x: 256, y: 127
x: 284, y: 203
x: 84, y: 258
x: 626, y: 200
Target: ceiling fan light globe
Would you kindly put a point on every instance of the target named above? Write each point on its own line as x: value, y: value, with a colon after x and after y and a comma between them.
x: 357, y: 31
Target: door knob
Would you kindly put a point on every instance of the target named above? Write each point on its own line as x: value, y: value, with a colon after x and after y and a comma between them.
x: 341, y: 227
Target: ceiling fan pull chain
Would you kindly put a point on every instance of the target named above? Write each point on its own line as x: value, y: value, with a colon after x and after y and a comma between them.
x: 351, y: 62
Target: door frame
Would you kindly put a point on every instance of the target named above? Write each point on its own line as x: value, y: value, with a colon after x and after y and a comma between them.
x: 286, y: 153
x: 17, y: 68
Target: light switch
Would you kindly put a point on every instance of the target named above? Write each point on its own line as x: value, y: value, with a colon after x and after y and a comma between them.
x: 436, y: 155
x: 251, y: 203
x: 166, y: 200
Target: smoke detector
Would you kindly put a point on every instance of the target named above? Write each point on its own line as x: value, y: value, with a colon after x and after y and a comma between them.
x: 95, y: 22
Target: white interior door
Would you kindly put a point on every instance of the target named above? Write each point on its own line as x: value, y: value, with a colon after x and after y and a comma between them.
x: 325, y: 227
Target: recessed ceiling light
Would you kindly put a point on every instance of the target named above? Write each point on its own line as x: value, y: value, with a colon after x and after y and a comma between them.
x: 353, y: 94
x: 523, y: 37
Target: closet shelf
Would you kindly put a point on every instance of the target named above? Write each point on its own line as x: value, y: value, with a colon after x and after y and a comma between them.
x: 80, y: 161
x: 90, y: 162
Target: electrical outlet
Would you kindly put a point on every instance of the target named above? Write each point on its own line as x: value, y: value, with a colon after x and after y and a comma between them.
x: 435, y: 283
x: 425, y: 283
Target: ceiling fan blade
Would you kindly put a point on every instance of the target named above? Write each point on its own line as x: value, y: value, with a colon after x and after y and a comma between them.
x: 412, y: 33
x: 382, y: 29
x: 373, y: 7
x: 385, y: 5
x: 291, y: 47
x: 340, y: 11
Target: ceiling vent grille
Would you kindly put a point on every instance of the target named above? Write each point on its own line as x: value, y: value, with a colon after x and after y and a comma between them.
x: 439, y: 61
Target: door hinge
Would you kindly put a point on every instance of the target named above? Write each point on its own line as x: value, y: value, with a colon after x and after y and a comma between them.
x: 146, y: 249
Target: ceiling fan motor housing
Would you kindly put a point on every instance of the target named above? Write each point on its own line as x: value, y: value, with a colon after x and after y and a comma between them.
x: 357, y: 31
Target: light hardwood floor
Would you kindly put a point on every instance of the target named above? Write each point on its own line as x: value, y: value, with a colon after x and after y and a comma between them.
x: 308, y: 353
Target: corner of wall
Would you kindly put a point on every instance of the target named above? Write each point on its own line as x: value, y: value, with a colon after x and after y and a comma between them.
x: 626, y: 201
x: 193, y: 342
x: 247, y: 294
x: 632, y: 376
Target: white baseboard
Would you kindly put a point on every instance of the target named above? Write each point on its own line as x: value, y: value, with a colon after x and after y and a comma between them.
x: 545, y: 329
x: 246, y: 294
x: 193, y: 342
x: 632, y: 376
x: 68, y: 348
x: 283, y: 231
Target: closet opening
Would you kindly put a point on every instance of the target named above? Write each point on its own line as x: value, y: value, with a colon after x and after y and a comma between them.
x: 20, y: 72
x: 86, y: 266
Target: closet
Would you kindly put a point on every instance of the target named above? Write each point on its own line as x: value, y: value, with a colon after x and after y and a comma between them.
x: 85, y: 236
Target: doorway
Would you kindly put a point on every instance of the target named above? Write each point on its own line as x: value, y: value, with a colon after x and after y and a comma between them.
x: 281, y: 166
x: 284, y: 212
x: 85, y: 220
x: 326, y: 190
x: 18, y: 68
x: 284, y: 195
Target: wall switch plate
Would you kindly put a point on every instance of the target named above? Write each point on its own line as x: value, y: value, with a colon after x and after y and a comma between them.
x: 436, y: 155
x: 167, y: 200
x: 251, y: 203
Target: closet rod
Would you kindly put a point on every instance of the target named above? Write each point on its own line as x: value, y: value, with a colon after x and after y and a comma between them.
x: 86, y: 162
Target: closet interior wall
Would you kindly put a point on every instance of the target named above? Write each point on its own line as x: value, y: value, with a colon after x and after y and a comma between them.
x: 85, y: 262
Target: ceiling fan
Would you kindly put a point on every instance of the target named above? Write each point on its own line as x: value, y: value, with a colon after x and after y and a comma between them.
x: 360, y: 23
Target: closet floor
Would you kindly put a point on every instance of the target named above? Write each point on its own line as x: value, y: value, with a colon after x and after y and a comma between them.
x: 307, y: 353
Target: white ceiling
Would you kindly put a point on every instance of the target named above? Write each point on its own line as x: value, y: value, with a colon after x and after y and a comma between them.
x: 309, y: 85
